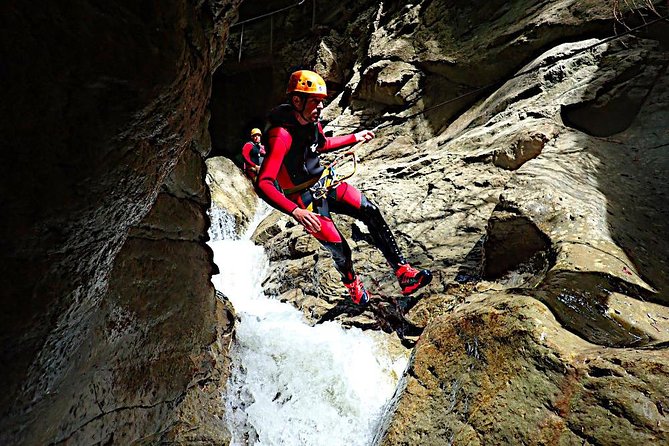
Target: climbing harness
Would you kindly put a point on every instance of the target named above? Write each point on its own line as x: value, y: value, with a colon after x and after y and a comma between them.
x: 340, y: 169
x: 332, y: 177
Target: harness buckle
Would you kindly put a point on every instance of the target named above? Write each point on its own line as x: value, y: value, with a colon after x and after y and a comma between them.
x: 331, y: 178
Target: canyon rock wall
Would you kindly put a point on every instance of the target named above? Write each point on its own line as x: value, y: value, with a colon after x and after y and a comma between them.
x: 110, y: 328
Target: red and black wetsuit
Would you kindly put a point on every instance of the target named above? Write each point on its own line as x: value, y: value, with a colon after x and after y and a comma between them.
x: 253, y: 157
x: 293, y: 162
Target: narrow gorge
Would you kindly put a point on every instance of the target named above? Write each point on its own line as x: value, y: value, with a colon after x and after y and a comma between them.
x: 521, y: 154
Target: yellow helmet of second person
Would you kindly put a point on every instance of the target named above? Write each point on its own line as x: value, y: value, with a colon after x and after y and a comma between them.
x: 308, y: 82
x: 256, y: 131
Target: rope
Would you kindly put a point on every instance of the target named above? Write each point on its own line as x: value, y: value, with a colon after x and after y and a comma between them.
x: 501, y: 82
x: 262, y: 16
x: 241, y: 42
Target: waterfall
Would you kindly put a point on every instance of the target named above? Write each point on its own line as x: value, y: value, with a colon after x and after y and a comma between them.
x: 291, y: 383
x: 222, y: 226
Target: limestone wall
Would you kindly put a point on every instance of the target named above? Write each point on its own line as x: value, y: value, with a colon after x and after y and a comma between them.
x: 110, y: 328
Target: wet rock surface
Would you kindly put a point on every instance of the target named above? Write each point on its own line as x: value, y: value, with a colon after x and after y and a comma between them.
x: 231, y: 190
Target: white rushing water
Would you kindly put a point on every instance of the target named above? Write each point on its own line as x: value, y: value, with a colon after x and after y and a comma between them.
x: 294, y: 384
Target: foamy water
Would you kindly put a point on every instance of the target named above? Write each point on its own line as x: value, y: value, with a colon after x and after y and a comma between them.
x: 293, y: 384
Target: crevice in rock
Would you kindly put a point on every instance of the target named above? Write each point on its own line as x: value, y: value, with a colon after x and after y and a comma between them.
x: 614, y: 108
x: 579, y: 433
x: 656, y: 346
x: 188, y: 197
x: 470, y: 269
x: 513, y: 242
x: 601, y: 372
x: 527, y: 93
x: 480, y: 158
x: 164, y: 238
x: 116, y: 410
x: 579, y: 301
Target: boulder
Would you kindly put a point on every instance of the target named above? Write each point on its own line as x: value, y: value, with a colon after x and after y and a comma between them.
x: 499, y: 369
x: 231, y: 191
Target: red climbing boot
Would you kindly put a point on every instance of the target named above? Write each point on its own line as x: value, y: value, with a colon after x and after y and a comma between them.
x: 411, y: 278
x: 357, y: 291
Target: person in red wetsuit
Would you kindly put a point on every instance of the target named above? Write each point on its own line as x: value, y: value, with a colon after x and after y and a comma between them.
x: 253, y: 153
x: 295, y: 140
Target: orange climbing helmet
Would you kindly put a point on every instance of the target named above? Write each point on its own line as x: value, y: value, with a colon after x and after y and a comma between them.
x: 256, y: 131
x: 305, y: 81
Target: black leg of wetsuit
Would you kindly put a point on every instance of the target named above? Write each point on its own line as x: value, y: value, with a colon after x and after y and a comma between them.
x: 382, y: 236
x: 341, y: 254
x: 341, y: 251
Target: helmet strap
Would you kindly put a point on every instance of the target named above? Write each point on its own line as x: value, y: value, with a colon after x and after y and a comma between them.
x: 303, y: 98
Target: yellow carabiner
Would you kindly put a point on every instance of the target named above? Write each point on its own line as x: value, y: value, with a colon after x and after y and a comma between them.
x: 329, y: 179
